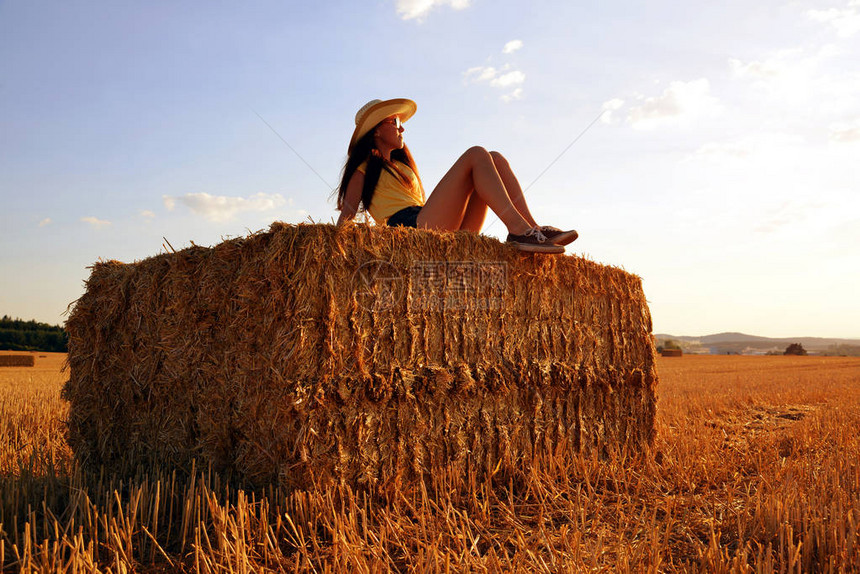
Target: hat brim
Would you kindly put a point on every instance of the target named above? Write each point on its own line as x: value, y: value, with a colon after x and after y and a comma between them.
x: 403, y: 107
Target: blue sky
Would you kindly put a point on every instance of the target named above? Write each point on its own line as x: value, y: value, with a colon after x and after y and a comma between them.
x: 722, y: 170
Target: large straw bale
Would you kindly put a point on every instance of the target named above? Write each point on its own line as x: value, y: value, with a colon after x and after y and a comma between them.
x: 362, y: 355
x: 17, y: 360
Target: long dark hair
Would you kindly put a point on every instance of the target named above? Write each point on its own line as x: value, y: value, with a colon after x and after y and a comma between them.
x: 365, y: 150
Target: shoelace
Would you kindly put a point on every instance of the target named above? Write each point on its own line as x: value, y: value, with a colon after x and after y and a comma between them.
x: 541, y: 238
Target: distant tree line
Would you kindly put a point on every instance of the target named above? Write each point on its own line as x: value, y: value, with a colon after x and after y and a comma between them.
x: 795, y: 349
x: 19, y: 335
x: 667, y: 344
x: 844, y: 350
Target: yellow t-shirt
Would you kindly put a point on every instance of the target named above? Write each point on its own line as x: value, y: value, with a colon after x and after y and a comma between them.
x: 391, y: 194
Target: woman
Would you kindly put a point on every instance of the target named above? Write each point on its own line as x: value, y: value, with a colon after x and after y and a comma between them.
x: 380, y: 176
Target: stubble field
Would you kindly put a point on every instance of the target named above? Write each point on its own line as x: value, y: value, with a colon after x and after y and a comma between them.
x: 756, y: 468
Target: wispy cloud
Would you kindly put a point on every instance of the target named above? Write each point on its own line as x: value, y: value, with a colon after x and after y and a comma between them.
x: 418, y: 9
x: 95, y: 222
x: 722, y: 150
x: 845, y: 133
x: 508, y: 79
x: 494, y: 77
x: 789, y: 80
x: 505, y: 79
x: 679, y: 105
x: 846, y: 20
x: 789, y: 213
x: 512, y: 46
x: 480, y: 74
x: 44, y: 222
x: 517, y: 94
x: 754, y: 69
x: 220, y: 208
x: 764, y: 148
x: 147, y: 214
x: 609, y: 108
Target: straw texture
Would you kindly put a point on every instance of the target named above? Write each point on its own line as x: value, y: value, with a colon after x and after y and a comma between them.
x: 362, y: 355
x: 17, y: 361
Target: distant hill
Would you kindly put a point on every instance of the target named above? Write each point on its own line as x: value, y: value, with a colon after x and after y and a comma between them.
x: 723, y: 343
x: 732, y: 337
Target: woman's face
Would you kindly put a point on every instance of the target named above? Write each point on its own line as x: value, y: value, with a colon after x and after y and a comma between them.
x: 389, y: 133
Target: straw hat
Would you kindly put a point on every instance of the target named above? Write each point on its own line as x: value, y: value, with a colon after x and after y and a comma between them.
x: 375, y: 111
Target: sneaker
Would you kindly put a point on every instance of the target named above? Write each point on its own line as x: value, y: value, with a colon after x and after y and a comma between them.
x: 534, y: 241
x: 557, y: 236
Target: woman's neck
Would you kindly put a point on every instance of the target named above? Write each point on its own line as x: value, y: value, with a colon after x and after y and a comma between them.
x: 385, y: 152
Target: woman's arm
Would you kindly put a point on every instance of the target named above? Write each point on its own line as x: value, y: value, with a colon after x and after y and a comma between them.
x: 349, y: 205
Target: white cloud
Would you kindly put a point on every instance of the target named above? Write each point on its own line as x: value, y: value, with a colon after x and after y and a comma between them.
x: 514, y: 78
x: 480, y: 74
x: 679, y: 104
x: 803, y: 83
x: 830, y: 51
x: 763, y: 148
x: 754, y: 69
x: 517, y: 94
x: 789, y: 213
x: 498, y: 79
x: 782, y: 78
x: 95, y: 222
x: 715, y: 150
x: 44, y: 222
x: 222, y: 208
x: 506, y: 78
x: 147, y: 213
x: 846, y: 21
x: 512, y: 46
x: 609, y: 108
x: 418, y: 9
x: 845, y: 133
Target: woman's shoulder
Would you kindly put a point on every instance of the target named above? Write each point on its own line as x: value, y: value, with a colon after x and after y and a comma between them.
x: 362, y: 167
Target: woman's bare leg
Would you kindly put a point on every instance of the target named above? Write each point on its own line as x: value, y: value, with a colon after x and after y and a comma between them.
x: 476, y: 213
x: 512, y: 185
x: 474, y: 172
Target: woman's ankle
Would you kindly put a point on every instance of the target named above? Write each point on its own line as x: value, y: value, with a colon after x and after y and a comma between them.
x: 517, y: 230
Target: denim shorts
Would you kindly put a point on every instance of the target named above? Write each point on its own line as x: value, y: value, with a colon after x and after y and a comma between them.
x: 406, y: 217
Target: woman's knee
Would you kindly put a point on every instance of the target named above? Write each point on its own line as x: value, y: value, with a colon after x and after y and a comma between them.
x: 477, y: 153
x: 498, y: 158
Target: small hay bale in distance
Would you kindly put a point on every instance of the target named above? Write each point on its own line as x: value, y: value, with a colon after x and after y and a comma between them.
x: 672, y: 353
x: 17, y: 361
x: 362, y: 355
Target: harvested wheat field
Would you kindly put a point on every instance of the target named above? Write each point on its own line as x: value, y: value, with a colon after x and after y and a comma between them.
x: 754, y: 468
x: 362, y: 356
